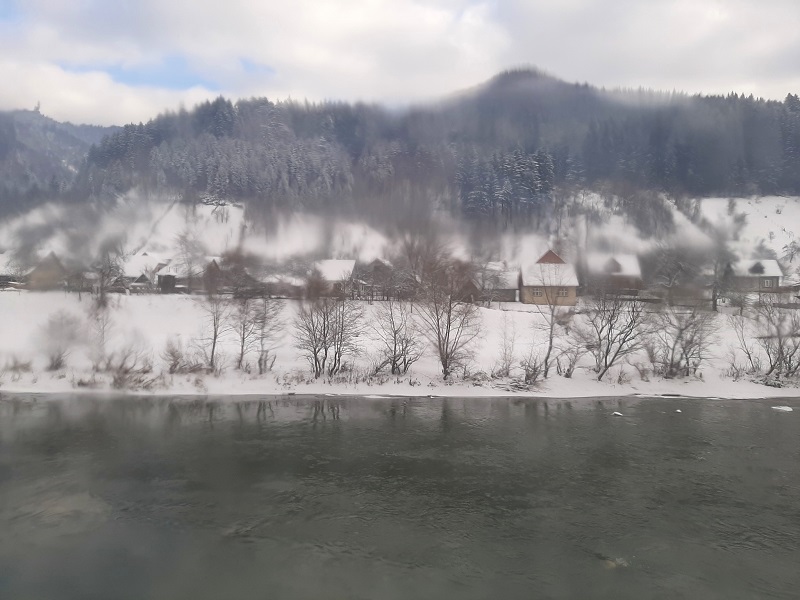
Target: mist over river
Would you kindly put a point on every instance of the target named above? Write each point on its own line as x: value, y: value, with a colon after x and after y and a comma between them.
x: 337, y: 497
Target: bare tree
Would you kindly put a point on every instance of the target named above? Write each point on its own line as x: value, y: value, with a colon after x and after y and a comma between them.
x: 449, y: 322
x: 680, y: 340
x: 613, y: 329
x: 552, y: 312
x: 326, y: 332
x: 348, y: 319
x: 108, y: 269
x: 742, y: 328
x: 191, y: 253
x: 398, y: 333
x: 216, y: 311
x: 675, y: 266
x: 508, y: 344
x: 269, y: 324
x: 100, y: 325
x: 243, y: 322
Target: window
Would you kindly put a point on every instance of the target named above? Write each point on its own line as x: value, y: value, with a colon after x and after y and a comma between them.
x: 537, y: 291
x: 562, y: 292
x: 767, y: 283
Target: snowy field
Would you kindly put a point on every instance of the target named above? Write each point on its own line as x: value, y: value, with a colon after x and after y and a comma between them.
x: 146, y: 323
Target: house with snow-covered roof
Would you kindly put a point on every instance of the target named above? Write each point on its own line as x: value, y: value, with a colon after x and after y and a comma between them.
x: 499, y: 282
x: 200, y: 274
x: 332, y: 277
x: 375, y: 280
x: 139, y: 271
x: 760, y: 275
x: 549, y: 281
x: 48, y: 274
x: 619, y: 273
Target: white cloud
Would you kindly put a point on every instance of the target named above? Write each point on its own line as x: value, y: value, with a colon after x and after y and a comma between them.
x: 392, y: 51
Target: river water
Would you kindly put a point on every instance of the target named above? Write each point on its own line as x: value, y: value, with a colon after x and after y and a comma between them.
x: 390, y: 498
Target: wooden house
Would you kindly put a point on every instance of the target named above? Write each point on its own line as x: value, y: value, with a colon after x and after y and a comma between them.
x: 763, y: 276
x: 549, y: 281
x: 499, y: 282
x: 615, y: 273
x: 334, y: 277
x: 139, y: 272
x: 376, y: 280
x: 49, y: 274
x: 178, y: 277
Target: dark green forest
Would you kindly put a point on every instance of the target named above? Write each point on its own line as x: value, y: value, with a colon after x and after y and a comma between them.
x: 499, y: 152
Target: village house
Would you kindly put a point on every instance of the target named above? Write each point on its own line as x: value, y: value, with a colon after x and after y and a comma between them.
x: 284, y: 285
x: 549, y: 281
x: 332, y: 277
x: 11, y: 273
x: 177, y: 277
x: 763, y: 276
x: 376, y: 280
x: 139, y: 271
x: 616, y: 273
x: 499, y: 282
x: 49, y: 274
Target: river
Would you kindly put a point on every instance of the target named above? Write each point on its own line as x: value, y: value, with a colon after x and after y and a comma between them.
x: 173, y: 498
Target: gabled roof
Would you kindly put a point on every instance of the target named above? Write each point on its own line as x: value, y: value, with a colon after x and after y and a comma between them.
x: 50, y: 261
x: 613, y: 265
x: 335, y: 270
x: 383, y: 262
x: 757, y: 268
x: 549, y: 275
x: 550, y: 257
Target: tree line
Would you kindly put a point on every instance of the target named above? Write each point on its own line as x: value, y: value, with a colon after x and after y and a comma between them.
x: 495, y: 155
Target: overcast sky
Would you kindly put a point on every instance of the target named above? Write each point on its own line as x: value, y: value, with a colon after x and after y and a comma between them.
x: 116, y: 61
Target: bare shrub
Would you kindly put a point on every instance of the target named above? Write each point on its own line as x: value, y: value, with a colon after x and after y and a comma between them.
x: 570, y: 351
x: 177, y: 361
x: 59, y: 335
x: 132, y: 367
x: 532, y: 367
x: 778, y: 335
x: 680, y: 341
x: 743, y: 329
x: 15, y: 365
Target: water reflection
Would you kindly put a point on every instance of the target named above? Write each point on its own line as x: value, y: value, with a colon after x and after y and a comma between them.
x: 397, y: 498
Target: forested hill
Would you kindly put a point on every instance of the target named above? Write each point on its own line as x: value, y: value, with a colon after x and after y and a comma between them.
x: 497, y: 151
x: 39, y: 156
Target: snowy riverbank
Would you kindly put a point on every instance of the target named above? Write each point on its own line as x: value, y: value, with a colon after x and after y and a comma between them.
x: 148, y: 322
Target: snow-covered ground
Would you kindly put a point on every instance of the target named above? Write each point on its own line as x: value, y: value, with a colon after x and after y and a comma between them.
x: 773, y: 221
x: 146, y: 323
